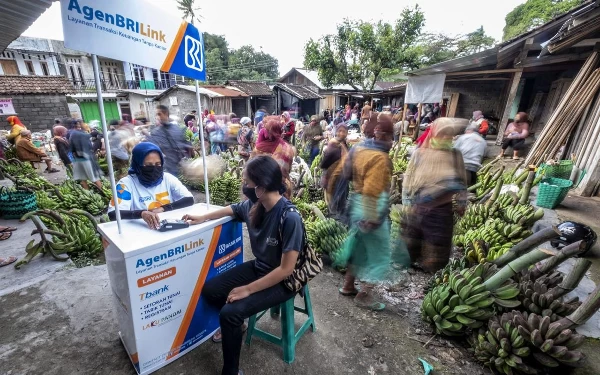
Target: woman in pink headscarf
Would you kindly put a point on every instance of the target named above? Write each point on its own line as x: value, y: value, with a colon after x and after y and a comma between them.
x: 289, y: 127
x: 62, y: 147
x: 270, y: 142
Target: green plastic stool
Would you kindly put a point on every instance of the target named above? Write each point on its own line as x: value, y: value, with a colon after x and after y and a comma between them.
x: 288, y: 338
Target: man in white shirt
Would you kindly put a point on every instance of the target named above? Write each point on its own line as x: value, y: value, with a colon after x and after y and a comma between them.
x: 472, y: 146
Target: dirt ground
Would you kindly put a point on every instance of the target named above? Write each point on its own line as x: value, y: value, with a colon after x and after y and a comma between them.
x: 65, y: 325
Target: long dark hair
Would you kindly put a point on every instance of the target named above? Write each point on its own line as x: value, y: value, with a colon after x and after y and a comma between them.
x: 265, y: 172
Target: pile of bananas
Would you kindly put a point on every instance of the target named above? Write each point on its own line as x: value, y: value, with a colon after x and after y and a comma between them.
x: 225, y: 190
x: 81, y: 230
x: 44, y: 201
x: 326, y: 236
x: 63, y: 234
x: 552, y: 343
x: 498, y: 236
x: 442, y: 276
x: 464, y: 302
x: 539, y: 296
x: 502, y: 348
x: 74, y: 196
x: 486, y: 181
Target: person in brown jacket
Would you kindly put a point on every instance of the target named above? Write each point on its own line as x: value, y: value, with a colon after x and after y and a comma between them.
x: 26, y: 151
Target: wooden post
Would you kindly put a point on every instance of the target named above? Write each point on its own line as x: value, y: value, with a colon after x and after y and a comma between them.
x: 516, y: 79
x: 508, y: 107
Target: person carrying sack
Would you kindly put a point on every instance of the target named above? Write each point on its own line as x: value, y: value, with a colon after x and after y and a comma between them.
x: 283, y: 265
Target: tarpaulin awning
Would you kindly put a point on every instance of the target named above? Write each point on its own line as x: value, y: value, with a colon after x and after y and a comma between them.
x: 425, y: 89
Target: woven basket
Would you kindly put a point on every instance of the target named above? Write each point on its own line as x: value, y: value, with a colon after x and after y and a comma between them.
x: 552, y: 191
x: 16, y: 203
x: 561, y: 170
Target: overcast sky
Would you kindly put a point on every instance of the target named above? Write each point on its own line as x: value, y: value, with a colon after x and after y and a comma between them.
x: 283, y: 29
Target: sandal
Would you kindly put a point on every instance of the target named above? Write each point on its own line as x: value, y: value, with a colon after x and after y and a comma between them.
x: 7, y: 261
x: 5, y: 236
x: 345, y: 293
x: 53, y: 170
x: 218, y: 340
x: 375, y: 306
x: 7, y: 229
x: 516, y: 158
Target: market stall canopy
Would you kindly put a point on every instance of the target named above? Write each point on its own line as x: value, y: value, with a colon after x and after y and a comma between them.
x: 16, y: 16
x: 300, y: 92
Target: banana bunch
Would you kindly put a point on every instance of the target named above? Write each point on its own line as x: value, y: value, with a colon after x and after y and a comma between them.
x: 464, y: 302
x: 74, y: 196
x: 537, y: 296
x: 63, y: 234
x: 476, y: 252
x: 552, y: 343
x: 322, y: 206
x: 315, y: 168
x: 522, y: 214
x: 82, y: 235
x: 442, y: 276
x: 44, y: 202
x: 225, y: 189
x: 500, y: 347
x: 305, y: 210
x: 326, y: 236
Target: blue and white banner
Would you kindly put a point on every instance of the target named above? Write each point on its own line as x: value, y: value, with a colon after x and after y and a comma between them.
x: 134, y: 31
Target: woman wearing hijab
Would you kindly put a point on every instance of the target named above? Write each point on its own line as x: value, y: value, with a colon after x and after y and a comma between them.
x: 27, y: 151
x: 367, y: 251
x: 289, y: 127
x: 332, y: 161
x: 148, y: 190
x: 62, y: 147
x: 270, y: 142
x: 15, y: 131
x: 434, y: 176
x: 245, y: 138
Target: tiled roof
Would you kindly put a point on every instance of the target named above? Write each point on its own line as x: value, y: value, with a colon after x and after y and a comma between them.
x: 14, y: 84
x: 300, y: 92
x: 252, y: 88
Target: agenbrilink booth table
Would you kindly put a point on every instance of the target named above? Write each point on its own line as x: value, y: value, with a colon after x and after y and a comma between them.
x: 156, y: 279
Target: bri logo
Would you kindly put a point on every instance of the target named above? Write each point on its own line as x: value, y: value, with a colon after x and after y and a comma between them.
x: 223, y: 247
x: 157, y: 292
x: 193, y: 54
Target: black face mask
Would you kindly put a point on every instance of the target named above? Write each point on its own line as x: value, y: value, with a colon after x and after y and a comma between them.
x: 149, y: 174
x: 250, y: 193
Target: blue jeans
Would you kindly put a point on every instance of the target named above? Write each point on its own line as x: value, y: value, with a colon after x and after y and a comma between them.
x: 232, y: 315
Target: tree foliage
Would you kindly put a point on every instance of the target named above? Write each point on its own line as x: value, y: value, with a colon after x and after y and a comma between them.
x: 534, y: 13
x: 187, y: 7
x: 360, y: 51
x: 244, y: 63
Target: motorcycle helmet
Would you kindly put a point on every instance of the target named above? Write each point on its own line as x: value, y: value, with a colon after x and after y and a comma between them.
x: 571, y: 232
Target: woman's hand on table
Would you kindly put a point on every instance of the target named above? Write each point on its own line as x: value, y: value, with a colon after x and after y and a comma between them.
x: 158, y: 210
x: 152, y: 219
x: 238, y: 293
x: 194, y: 219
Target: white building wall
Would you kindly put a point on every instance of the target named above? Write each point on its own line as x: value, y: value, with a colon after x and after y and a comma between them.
x: 36, y: 60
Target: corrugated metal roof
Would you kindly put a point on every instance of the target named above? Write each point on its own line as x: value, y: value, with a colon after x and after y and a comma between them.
x: 14, y: 84
x: 252, y: 88
x: 300, y: 92
x: 224, y: 91
x: 16, y: 16
x: 477, y: 60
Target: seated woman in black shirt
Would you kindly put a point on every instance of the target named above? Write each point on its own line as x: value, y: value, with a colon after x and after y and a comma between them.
x: 255, y: 285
